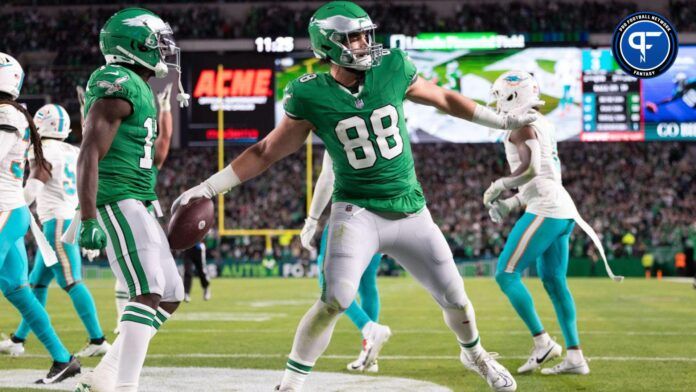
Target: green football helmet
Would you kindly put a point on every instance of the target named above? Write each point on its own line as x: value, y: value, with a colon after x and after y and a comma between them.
x: 330, y: 29
x: 138, y: 36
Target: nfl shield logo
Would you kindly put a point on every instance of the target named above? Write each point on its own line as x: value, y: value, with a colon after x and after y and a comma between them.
x: 359, y: 103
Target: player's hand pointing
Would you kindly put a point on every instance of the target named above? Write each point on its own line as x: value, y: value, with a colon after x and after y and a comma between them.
x: 307, y: 234
x: 91, y: 235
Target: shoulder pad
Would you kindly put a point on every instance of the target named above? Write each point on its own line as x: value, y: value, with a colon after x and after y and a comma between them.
x: 12, y: 120
x: 110, y: 81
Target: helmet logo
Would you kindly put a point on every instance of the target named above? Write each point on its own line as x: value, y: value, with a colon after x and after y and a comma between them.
x: 112, y: 87
x: 146, y: 20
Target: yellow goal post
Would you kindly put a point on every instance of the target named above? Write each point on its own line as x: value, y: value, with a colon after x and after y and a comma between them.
x: 269, y: 233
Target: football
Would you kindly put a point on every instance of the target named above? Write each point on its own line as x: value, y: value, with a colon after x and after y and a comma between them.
x: 190, y: 223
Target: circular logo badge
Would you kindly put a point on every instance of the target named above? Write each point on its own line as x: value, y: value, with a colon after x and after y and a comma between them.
x: 645, y: 44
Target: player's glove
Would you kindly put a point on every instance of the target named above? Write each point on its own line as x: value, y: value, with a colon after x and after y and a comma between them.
x: 493, y: 192
x: 91, y: 235
x: 500, y: 209
x: 220, y: 182
x: 517, y: 121
x: 90, y: 254
x: 164, y: 99
x: 307, y: 234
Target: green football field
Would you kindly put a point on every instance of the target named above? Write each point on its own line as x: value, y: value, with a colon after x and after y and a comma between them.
x: 640, y: 335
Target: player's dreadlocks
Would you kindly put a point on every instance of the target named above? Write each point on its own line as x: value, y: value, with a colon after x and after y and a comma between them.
x: 33, y: 134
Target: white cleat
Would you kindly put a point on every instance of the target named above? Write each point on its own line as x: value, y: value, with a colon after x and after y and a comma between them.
x: 187, y: 298
x: 495, y: 374
x: 568, y: 367
x: 94, y: 350
x: 359, y: 364
x: 376, y: 336
x: 7, y: 346
x: 91, y: 382
x: 207, y: 294
x: 541, y: 355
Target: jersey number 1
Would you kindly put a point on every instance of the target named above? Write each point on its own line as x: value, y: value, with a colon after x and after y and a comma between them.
x: 362, y: 144
x: 151, y: 127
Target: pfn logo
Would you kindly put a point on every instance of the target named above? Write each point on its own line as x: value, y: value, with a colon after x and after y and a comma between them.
x: 645, y: 44
x: 234, y: 83
x: 641, y: 45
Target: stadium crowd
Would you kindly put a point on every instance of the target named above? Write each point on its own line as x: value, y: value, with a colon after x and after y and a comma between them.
x: 636, y: 195
x: 65, y: 58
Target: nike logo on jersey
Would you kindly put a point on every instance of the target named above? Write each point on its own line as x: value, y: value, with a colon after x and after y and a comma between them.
x: 541, y: 360
x: 111, y: 73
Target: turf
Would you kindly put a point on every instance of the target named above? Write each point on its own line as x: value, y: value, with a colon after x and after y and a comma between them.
x: 630, y: 330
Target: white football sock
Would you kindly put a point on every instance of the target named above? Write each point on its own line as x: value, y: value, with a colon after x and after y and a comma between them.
x: 366, y: 328
x: 541, y: 340
x: 311, y: 339
x: 575, y: 355
x: 136, y: 331
x: 107, y: 369
x: 462, y: 322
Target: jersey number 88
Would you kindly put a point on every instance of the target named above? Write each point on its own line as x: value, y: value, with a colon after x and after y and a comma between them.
x: 362, y: 142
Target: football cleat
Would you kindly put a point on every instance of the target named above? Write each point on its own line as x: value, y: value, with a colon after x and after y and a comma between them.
x: 359, y: 364
x: 91, y: 382
x: 541, y: 355
x: 207, y: 294
x: 376, y: 336
x: 8, y: 346
x: 568, y: 367
x: 94, y: 350
x: 495, y: 374
x: 187, y: 297
x: 59, y: 371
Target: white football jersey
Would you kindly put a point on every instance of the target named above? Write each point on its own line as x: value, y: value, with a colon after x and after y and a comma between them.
x: 58, y: 198
x: 12, y: 164
x: 544, y: 195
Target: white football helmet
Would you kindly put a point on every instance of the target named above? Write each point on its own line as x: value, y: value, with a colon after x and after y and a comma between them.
x: 11, y: 75
x: 52, y: 121
x: 515, y: 92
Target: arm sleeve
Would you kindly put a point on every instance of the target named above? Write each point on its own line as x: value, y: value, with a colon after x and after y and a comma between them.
x: 532, y: 170
x: 292, y: 103
x: 323, y: 189
x: 31, y: 189
x: 113, y: 83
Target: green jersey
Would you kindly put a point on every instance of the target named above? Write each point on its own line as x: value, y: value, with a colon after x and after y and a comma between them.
x: 127, y: 170
x: 364, y: 133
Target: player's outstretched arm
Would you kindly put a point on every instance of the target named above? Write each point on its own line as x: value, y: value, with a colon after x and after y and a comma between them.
x: 322, y: 195
x: 165, y: 126
x: 285, y: 139
x: 101, y: 125
x: 529, y: 151
x: 460, y: 106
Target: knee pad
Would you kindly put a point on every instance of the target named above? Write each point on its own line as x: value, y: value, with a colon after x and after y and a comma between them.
x: 340, y: 294
x: 454, y: 296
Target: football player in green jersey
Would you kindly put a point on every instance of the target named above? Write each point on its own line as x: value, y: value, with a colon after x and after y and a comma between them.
x: 378, y: 204
x: 116, y: 176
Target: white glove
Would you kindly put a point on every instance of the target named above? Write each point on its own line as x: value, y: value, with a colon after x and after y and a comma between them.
x: 500, y: 209
x: 90, y: 254
x: 307, y: 234
x: 220, y: 182
x: 493, y: 192
x: 164, y: 98
x: 198, y: 191
x: 517, y: 121
x: 81, y: 97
